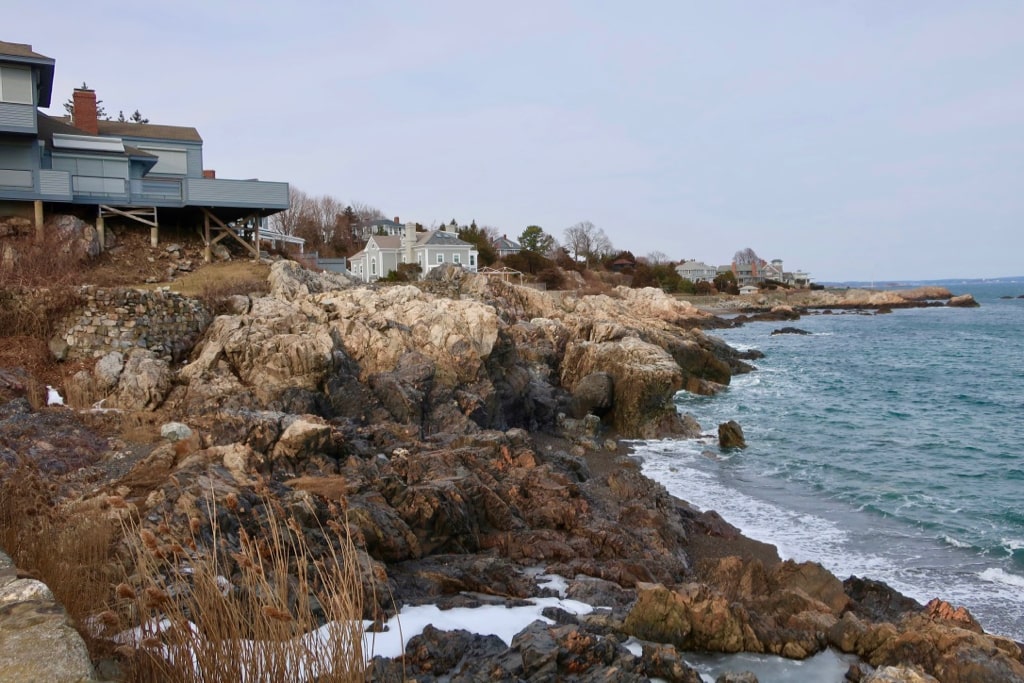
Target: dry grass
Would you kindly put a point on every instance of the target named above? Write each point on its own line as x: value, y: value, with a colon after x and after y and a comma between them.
x: 273, y: 611
x: 71, y: 553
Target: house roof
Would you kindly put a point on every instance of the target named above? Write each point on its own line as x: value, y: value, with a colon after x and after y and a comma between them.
x: 440, y: 238
x: 387, y: 241
x: 21, y: 52
x: 503, y: 243
x: 149, y: 130
x: 49, y: 126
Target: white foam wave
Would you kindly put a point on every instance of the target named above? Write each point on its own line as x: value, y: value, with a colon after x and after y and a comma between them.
x: 996, y: 575
x: 1013, y: 544
x: 955, y: 542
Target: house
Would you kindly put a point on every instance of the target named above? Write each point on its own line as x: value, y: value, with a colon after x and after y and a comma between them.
x: 695, y: 271
x: 384, y: 253
x: 749, y: 289
x: 382, y: 226
x: 503, y: 246
x: 144, y: 173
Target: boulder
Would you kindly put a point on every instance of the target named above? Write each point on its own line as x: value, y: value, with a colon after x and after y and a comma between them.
x: 79, y: 239
x: 144, y: 383
x: 108, y: 370
x: 730, y: 435
x: 645, y: 378
x: 594, y: 394
x: 38, y: 641
x: 963, y: 301
x: 898, y: 674
x: 789, y: 330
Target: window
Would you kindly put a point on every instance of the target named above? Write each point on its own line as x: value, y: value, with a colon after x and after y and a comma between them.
x: 456, y: 258
x: 15, y: 85
x: 472, y: 259
x: 419, y: 258
x: 373, y: 267
x: 169, y: 160
x: 440, y: 258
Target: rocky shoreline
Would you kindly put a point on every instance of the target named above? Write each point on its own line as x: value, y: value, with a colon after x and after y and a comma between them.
x: 466, y: 432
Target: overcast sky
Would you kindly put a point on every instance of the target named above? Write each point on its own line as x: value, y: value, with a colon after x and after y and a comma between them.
x: 854, y: 140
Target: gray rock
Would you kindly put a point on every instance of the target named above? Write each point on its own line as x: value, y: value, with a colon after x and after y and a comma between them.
x: 175, y: 431
x: 108, y: 369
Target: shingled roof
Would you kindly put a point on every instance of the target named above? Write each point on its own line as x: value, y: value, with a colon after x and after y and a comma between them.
x: 20, y: 50
x: 149, y: 130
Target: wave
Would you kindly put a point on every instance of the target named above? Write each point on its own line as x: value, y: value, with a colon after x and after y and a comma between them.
x: 996, y: 575
x: 955, y: 542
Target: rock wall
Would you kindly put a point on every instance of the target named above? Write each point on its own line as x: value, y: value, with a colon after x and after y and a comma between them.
x: 122, y: 319
x: 37, y: 641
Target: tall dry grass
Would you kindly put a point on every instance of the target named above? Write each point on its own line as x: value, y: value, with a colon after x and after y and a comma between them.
x: 274, y: 610
x: 69, y: 551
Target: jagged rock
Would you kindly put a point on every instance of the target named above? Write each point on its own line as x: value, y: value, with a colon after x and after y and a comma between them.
x: 730, y: 435
x: 301, y: 438
x: 645, y: 378
x: 108, y: 370
x: 144, y: 383
x: 175, y: 431
x: 790, y: 330
x: 692, y: 617
x: 78, y: 238
x: 291, y: 282
x: 665, y: 662
x: 898, y: 674
x: 737, y: 677
x: 13, y: 226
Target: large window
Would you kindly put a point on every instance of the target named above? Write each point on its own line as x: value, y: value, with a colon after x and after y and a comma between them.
x: 15, y: 85
x: 170, y: 160
x: 456, y: 258
x: 440, y: 258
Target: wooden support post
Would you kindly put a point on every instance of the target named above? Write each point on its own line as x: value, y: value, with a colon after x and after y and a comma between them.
x: 207, y: 250
x: 38, y: 206
x: 256, y: 226
x: 154, y: 236
x: 101, y: 231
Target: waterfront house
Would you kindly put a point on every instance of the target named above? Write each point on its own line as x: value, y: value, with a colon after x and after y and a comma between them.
x: 146, y: 174
x: 695, y: 271
x: 384, y: 253
x: 503, y: 246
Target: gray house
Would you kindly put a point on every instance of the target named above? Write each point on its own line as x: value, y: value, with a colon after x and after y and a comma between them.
x: 96, y: 169
x: 384, y: 253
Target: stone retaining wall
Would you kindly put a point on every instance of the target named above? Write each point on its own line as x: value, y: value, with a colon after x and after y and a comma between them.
x: 120, y: 319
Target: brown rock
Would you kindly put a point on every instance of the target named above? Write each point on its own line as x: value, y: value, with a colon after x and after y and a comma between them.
x: 730, y: 435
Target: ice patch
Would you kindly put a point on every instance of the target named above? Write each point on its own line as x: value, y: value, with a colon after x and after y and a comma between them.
x: 554, y: 582
x: 53, y: 397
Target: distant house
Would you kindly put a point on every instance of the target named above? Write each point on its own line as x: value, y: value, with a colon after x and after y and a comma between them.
x: 695, y: 271
x: 145, y: 173
x: 622, y: 264
x: 384, y: 253
x: 503, y: 246
x: 382, y: 226
x: 749, y: 289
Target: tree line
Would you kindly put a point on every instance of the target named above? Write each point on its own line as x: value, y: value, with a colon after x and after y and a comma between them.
x: 334, y: 228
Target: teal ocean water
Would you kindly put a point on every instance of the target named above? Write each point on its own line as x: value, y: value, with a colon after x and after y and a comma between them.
x: 886, y: 446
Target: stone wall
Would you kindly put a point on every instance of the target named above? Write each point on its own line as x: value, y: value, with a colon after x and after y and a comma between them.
x: 120, y: 319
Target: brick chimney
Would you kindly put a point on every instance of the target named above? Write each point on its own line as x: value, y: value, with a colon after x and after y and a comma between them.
x: 83, y: 115
x: 209, y: 173
x: 397, y: 220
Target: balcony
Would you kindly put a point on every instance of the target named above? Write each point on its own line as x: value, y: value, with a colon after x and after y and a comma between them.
x: 156, y: 191
x: 255, y: 194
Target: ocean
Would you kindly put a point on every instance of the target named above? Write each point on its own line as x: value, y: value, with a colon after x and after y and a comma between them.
x: 883, y: 446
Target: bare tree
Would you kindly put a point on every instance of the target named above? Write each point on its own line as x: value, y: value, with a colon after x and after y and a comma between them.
x: 746, y: 256
x: 657, y: 258
x: 586, y: 240
x: 287, y: 221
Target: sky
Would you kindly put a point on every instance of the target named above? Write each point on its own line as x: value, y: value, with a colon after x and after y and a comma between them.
x: 854, y: 140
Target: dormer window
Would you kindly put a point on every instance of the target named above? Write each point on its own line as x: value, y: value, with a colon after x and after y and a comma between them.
x: 15, y: 85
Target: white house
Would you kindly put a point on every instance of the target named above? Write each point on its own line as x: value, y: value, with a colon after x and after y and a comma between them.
x: 695, y: 271
x: 384, y: 253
